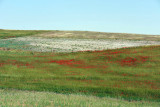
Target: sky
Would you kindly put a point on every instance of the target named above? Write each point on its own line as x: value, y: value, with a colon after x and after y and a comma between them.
x: 118, y: 16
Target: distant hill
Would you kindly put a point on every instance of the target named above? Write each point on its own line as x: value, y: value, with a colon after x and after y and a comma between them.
x: 98, y: 35
x: 77, y: 34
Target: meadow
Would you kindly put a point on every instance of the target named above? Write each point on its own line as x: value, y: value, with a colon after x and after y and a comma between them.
x: 113, y: 77
x: 17, y: 98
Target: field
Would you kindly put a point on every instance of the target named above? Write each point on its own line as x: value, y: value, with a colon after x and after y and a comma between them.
x: 16, y: 98
x: 93, y: 72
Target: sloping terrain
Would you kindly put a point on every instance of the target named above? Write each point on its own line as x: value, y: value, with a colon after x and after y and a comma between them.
x: 17, y: 98
x: 76, y: 34
x: 40, y: 44
x: 4, y: 34
x: 130, y: 73
x: 98, y: 35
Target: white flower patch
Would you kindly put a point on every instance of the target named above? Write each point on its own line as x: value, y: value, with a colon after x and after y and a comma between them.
x: 72, y: 45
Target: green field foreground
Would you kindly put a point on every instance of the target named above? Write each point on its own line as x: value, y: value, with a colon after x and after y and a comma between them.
x: 115, y: 77
x: 16, y: 98
x: 129, y: 73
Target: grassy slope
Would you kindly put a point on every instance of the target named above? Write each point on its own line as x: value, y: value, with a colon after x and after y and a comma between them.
x: 123, y: 77
x: 99, y: 35
x: 76, y: 34
x: 15, y: 98
x: 131, y: 73
x: 19, y: 33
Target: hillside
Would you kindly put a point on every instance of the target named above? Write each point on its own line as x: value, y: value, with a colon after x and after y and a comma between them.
x: 99, y: 35
x: 92, y: 67
x: 77, y: 34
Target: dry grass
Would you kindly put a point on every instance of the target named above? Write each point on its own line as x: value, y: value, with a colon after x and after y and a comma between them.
x: 98, y: 35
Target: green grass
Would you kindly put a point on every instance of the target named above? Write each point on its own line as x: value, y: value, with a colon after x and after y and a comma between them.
x: 119, y: 77
x: 103, y: 73
x: 4, y: 34
x: 16, y: 98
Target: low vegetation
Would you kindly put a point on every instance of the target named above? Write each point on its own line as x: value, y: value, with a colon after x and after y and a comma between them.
x: 130, y: 75
x: 40, y: 44
x: 16, y: 98
x: 76, y: 34
x: 4, y: 34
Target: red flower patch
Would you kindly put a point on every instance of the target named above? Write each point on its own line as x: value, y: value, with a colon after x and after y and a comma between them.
x: 116, y: 86
x: 62, y: 62
x: 73, y: 63
x: 124, y: 74
x: 128, y: 61
x: 16, y: 63
x: 112, y: 53
x: 121, y: 94
x: 117, y: 52
x: 1, y: 64
x: 143, y: 58
x: 66, y: 62
x: 140, y: 75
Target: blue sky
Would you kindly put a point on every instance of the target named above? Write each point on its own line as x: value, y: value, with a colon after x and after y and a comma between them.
x: 123, y: 16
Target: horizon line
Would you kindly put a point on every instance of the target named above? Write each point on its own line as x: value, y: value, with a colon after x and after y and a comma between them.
x: 89, y: 31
